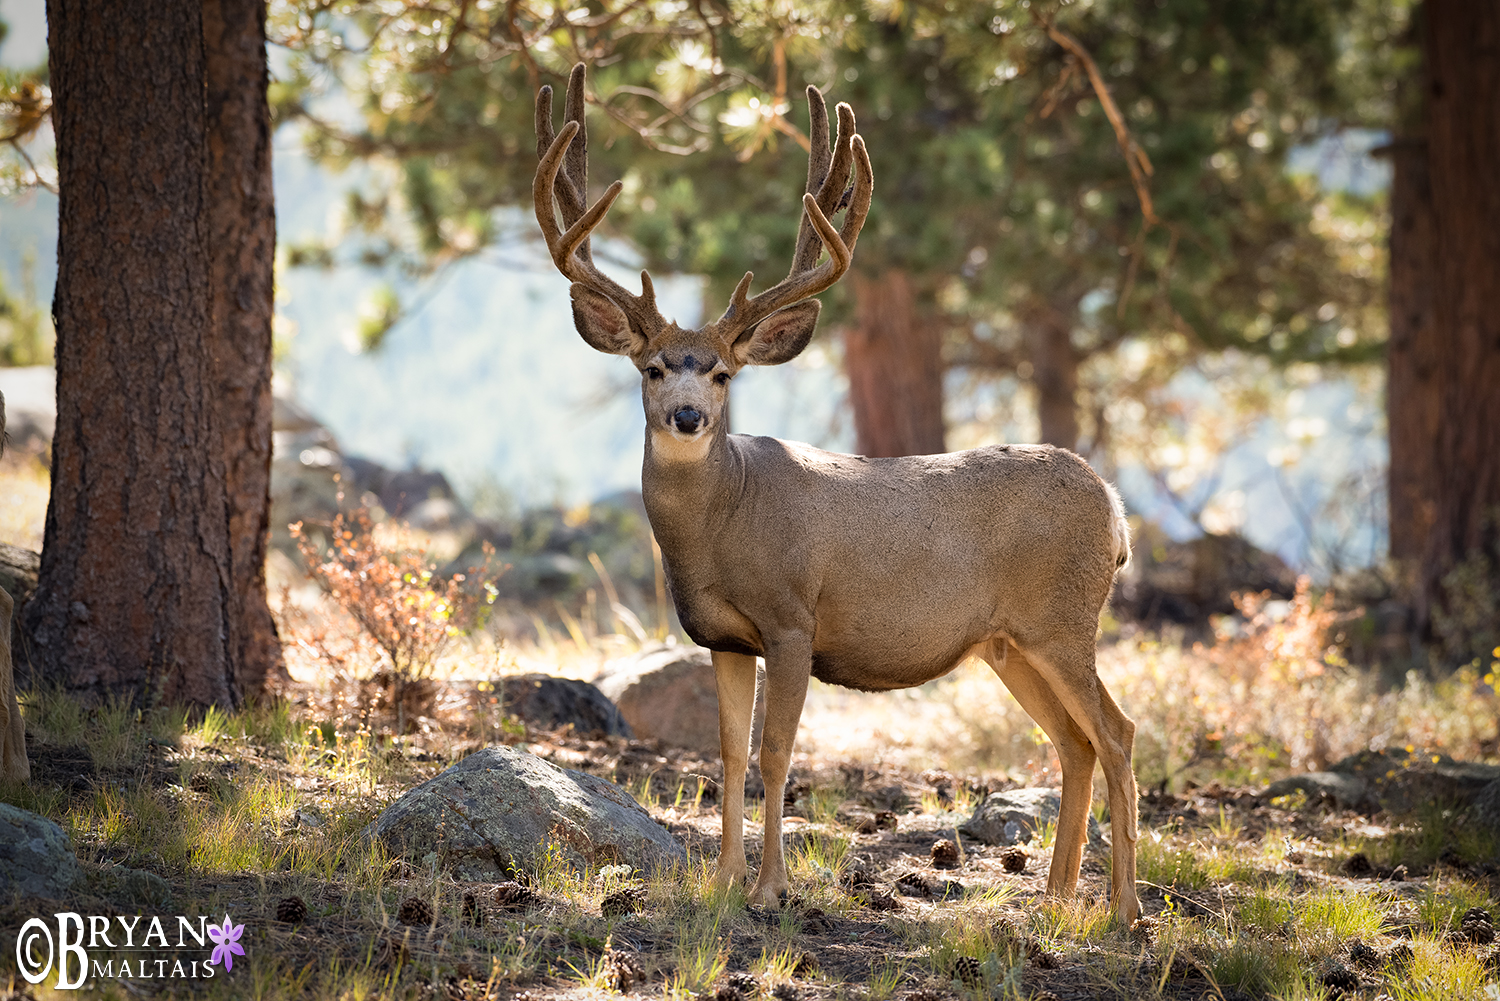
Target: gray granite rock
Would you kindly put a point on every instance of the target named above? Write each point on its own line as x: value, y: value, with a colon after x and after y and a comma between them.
x: 1346, y: 791
x: 36, y: 856
x: 552, y: 703
x: 1014, y: 816
x: 668, y: 693
x: 495, y: 813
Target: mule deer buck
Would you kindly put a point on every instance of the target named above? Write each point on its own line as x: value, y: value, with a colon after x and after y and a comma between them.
x: 873, y: 574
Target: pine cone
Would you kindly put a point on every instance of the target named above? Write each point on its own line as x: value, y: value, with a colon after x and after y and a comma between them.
x: 882, y: 901
x: 292, y: 910
x: 1039, y: 954
x: 473, y: 916
x: 1014, y: 859
x: 414, y: 911
x: 968, y: 970
x: 1361, y: 954
x: 622, y: 902
x: 913, y: 884
x: 622, y: 970
x: 515, y: 897
x: 944, y: 853
x: 785, y: 992
x: 885, y: 820
x: 737, y: 987
x: 1338, y: 978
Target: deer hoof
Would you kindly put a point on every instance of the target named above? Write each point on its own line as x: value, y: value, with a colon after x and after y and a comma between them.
x: 769, y: 897
x: 728, y: 876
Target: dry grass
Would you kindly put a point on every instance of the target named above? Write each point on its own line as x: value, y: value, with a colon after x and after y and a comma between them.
x: 1245, y: 898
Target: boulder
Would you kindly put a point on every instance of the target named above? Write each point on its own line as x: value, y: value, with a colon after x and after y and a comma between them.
x: 1347, y: 791
x: 552, y: 703
x: 1487, y: 806
x: 1014, y: 816
x: 36, y: 856
x: 668, y: 693
x: 496, y: 812
x: 1402, y: 780
x: 1187, y: 582
x: 19, y: 569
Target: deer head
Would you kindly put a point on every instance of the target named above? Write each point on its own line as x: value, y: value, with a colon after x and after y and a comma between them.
x: 685, y: 373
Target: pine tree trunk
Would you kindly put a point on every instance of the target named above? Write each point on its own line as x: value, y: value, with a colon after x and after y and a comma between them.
x: 141, y: 590
x: 1463, y: 147
x: 894, y: 362
x: 1047, y: 332
x: 1412, y: 355
x: 242, y: 227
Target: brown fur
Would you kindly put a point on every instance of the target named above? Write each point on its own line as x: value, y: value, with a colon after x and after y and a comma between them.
x: 870, y: 573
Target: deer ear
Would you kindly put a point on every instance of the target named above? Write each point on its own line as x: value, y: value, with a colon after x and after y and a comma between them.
x: 780, y: 337
x: 602, y: 324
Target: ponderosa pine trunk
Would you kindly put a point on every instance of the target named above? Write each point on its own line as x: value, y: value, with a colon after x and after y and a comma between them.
x: 1462, y: 74
x: 1047, y: 334
x: 141, y: 590
x: 893, y: 358
x: 1413, y: 397
x: 242, y: 226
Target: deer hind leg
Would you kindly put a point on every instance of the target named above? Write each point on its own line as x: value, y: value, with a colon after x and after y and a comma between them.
x: 1068, y: 667
x: 788, y: 666
x: 1074, y: 752
x: 734, y: 676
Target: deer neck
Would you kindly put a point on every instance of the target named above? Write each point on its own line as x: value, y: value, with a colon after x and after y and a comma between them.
x: 689, y: 487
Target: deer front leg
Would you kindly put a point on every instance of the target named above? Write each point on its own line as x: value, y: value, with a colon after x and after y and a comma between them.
x: 734, y: 676
x: 788, y: 666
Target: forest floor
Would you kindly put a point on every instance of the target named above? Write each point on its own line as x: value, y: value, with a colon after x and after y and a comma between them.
x: 1243, y: 897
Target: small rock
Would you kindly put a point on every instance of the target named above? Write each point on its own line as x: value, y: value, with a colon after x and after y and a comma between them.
x: 291, y: 910
x: 1014, y: 816
x: 36, y: 856
x: 414, y: 911
x: 944, y: 854
x: 1399, y: 874
x: 1014, y: 859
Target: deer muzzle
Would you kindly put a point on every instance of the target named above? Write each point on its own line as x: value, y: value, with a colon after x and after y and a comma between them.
x: 687, y: 420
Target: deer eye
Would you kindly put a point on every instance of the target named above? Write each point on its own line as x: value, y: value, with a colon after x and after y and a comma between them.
x: 722, y: 378
x: 653, y: 372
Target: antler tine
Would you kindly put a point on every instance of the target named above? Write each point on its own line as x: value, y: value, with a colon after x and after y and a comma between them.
x: 745, y: 311
x: 570, y: 249
x: 827, y: 173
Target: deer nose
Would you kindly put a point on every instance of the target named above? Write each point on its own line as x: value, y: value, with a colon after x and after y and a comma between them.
x: 687, y: 420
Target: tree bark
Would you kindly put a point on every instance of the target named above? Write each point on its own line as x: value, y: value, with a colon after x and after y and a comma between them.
x: 1047, y: 332
x: 893, y: 359
x: 1462, y: 71
x: 1413, y: 397
x: 142, y: 590
x: 242, y: 229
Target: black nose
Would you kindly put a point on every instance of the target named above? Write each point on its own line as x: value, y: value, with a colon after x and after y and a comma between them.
x: 687, y: 420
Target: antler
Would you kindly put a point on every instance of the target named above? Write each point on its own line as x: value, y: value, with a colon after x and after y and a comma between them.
x: 563, y: 171
x: 827, y: 175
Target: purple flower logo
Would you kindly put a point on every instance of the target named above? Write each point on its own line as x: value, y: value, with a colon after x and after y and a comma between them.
x: 226, y: 939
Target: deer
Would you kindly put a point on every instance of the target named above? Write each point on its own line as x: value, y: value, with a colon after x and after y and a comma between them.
x: 869, y: 573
